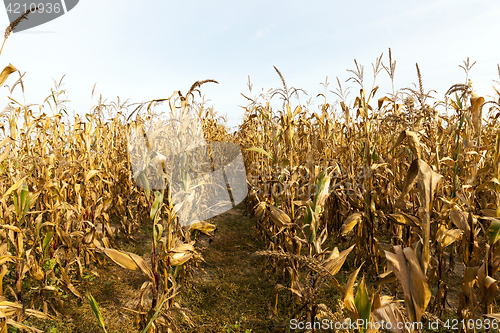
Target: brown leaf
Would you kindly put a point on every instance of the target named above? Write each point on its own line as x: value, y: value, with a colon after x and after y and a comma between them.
x: 405, y: 219
x: 384, y: 278
x: 6, y: 72
x: 468, y: 285
x: 476, y: 110
x: 260, y: 209
x: 411, y: 179
x: 279, y: 217
x: 428, y: 180
x: 390, y: 314
x: 349, y: 294
x: 413, y: 143
x: 130, y: 261
x: 397, y: 263
x: 350, y: 223
x: 421, y: 293
x: 333, y: 265
x: 459, y: 219
x: 447, y: 236
x: 67, y: 279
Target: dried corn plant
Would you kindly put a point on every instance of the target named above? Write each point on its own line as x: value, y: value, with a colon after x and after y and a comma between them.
x: 407, y: 190
x: 400, y: 175
x: 68, y: 200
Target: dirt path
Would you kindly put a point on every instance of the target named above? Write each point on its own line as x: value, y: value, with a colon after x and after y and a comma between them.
x: 230, y: 287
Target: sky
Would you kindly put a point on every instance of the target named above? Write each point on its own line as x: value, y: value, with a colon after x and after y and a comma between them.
x: 147, y: 50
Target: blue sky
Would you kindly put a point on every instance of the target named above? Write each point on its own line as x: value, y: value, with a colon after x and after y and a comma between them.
x: 147, y: 50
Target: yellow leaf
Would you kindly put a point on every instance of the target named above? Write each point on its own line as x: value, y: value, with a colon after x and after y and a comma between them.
x: 91, y: 174
x: 349, y: 295
x: 10, y: 227
x: 130, y: 261
x: 384, y: 278
x: 476, y: 109
x: 203, y: 226
x: 186, y: 247
x: 448, y: 161
x: 446, y: 237
x: 177, y: 259
x: 405, y: 219
x: 15, y: 186
x: 350, y: 223
x: 279, y: 217
x: 382, y: 100
x: 6, y: 72
x: 333, y: 265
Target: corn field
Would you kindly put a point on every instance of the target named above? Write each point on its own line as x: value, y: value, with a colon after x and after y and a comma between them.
x: 390, y: 192
x: 410, y: 193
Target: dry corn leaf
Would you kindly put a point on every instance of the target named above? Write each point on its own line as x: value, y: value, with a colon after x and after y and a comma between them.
x: 203, y: 226
x: 489, y: 212
x: 391, y: 314
x: 6, y: 72
x: 90, y: 174
x: 67, y: 279
x: 413, y: 143
x: 185, y: 247
x: 411, y: 179
x: 448, y: 161
x: 421, y: 293
x: 5, y: 154
x: 382, y: 100
x: 333, y: 265
x: 279, y: 217
x: 379, y: 165
x: 459, y: 219
x: 447, y: 236
x: 349, y: 294
x: 14, y: 187
x: 405, y: 219
x: 426, y: 178
x: 491, y: 288
x: 10, y: 227
x: 5, y: 141
x: 180, y: 258
x: 350, y: 223
x: 384, y: 278
x: 476, y: 110
x: 493, y: 316
x: 22, y: 326
x: 130, y: 261
x: 259, y: 210
x: 406, y: 267
x: 468, y: 285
